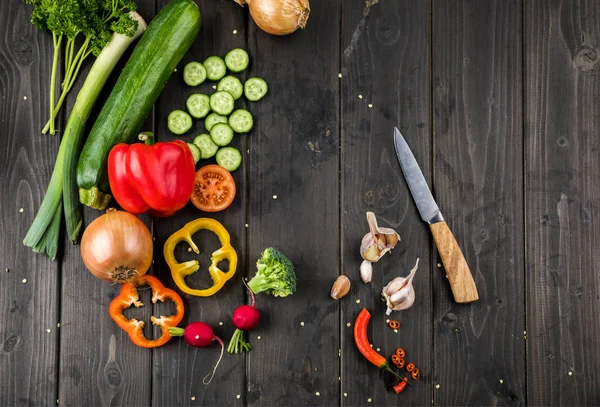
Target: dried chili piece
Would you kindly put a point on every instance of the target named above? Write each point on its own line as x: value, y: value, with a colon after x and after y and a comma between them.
x: 400, y: 352
x: 416, y: 373
x: 410, y: 367
x: 394, y: 324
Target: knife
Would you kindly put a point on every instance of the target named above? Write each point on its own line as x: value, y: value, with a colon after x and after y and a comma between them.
x: 457, y: 269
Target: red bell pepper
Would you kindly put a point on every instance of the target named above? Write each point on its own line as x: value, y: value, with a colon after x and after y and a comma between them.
x: 155, y: 178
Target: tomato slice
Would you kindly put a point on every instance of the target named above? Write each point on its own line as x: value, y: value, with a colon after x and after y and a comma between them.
x: 214, y: 189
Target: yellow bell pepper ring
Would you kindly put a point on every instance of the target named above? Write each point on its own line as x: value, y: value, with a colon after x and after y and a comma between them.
x: 181, y: 270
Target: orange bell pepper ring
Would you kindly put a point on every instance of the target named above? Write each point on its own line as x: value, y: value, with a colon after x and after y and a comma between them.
x: 129, y: 296
x: 181, y: 270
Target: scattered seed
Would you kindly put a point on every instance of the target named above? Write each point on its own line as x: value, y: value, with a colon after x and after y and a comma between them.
x: 358, y: 301
x: 387, y: 321
x: 21, y: 210
x: 317, y: 393
x: 24, y: 97
x: 7, y: 270
x: 456, y: 330
x: 370, y: 105
x: 221, y: 323
x: 248, y: 151
x: 234, y: 32
x: 24, y: 280
x: 446, y: 276
x: 193, y: 398
x: 274, y: 196
x: 345, y: 394
x: 214, y: 86
x: 56, y: 401
x: 501, y: 381
x: 302, y: 323
x: 348, y: 324
x: 175, y: 70
x: 340, y: 75
x: 524, y: 332
x: 58, y: 325
x: 238, y: 396
x: 371, y: 344
x: 246, y: 225
x: 340, y: 353
x: 315, y: 369
x: 570, y: 373
x: 340, y: 378
x: 437, y: 386
x: 369, y: 400
x: 189, y: 249
x: 439, y: 265
x: 360, y: 96
x: 395, y: 331
x: 258, y: 337
x: 153, y: 238
x: 378, y: 350
x: 48, y: 330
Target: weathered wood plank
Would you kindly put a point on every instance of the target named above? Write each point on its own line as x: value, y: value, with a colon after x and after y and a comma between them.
x: 294, y: 206
x: 562, y: 195
x: 29, y: 283
x: 385, y: 83
x: 99, y: 365
x: 178, y: 369
x: 478, y: 181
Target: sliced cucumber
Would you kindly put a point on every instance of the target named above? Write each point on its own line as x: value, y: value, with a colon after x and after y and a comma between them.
x: 255, y: 89
x: 229, y: 158
x: 232, y: 85
x: 221, y: 134
x: 222, y: 103
x: 194, y: 74
x: 179, y: 122
x: 196, y: 153
x: 198, y: 105
x: 213, y: 119
x: 237, y: 60
x: 241, y: 121
x: 215, y: 68
x: 207, y: 147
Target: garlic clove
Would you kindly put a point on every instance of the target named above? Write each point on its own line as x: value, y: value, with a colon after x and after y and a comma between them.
x: 399, y: 294
x: 366, y: 271
x: 378, y: 241
x: 340, y: 288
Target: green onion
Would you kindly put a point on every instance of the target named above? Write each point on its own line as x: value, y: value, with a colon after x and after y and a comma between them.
x: 43, y: 235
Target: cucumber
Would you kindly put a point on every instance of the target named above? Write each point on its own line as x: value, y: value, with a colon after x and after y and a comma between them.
x: 215, y: 68
x: 168, y: 37
x: 229, y: 158
x: 232, y: 85
x: 255, y: 89
x: 206, y: 146
x: 237, y: 60
x: 196, y: 153
x: 221, y: 134
x: 241, y: 121
x: 222, y: 103
x: 213, y: 119
x: 198, y: 105
x: 194, y: 74
x: 179, y: 122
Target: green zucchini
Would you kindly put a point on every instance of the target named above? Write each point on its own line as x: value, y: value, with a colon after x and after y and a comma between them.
x: 168, y: 37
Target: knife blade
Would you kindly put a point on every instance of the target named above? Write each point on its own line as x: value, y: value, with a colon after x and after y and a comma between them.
x: 428, y: 208
x: 457, y: 270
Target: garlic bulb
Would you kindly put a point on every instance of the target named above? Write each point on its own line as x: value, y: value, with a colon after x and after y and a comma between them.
x: 399, y: 294
x: 366, y: 271
x: 378, y: 241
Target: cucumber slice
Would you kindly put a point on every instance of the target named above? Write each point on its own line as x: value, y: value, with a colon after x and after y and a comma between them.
x: 196, y: 153
x: 194, y: 74
x: 213, y: 119
x: 237, y: 60
x: 215, y: 68
x: 255, y: 89
x: 179, y: 122
x: 229, y: 158
x: 206, y: 146
x: 222, y: 103
x: 232, y: 85
x: 221, y: 134
x: 198, y: 105
x: 241, y: 121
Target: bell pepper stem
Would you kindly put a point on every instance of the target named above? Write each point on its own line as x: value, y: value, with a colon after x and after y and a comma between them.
x: 176, y: 331
x: 147, y: 137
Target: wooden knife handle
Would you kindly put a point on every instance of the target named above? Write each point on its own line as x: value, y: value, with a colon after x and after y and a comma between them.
x: 457, y: 269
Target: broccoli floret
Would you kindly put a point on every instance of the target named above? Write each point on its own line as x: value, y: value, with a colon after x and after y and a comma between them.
x: 275, y: 274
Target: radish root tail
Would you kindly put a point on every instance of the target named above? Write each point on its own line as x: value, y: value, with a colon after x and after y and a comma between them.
x: 212, y: 374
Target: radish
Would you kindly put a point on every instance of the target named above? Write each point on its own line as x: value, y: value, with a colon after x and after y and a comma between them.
x: 245, y: 318
x: 200, y: 335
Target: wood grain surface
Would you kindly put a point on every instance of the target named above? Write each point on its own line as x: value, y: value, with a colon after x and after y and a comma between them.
x: 562, y: 197
x: 497, y: 100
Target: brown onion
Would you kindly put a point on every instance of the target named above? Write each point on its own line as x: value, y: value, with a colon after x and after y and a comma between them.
x: 278, y: 17
x: 117, y: 247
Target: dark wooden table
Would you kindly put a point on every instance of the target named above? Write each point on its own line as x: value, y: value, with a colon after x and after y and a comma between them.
x: 499, y: 101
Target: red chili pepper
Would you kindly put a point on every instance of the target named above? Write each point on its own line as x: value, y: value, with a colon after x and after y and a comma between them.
x: 129, y: 296
x: 400, y: 352
x: 362, y: 343
x: 158, y: 178
x: 399, y: 388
